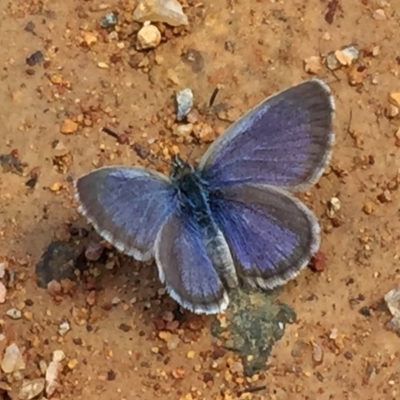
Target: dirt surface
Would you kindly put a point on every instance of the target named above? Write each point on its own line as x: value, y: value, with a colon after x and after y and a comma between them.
x: 121, y: 321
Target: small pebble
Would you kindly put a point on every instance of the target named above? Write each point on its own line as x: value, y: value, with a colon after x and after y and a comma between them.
x: 42, y: 367
x: 357, y: 74
x: 332, y: 62
x: 348, y: 355
x: 30, y: 27
x: 35, y: 58
x: 317, y: 353
x: 148, y: 37
x: 347, y: 55
x: 379, y: 14
x: 115, y: 301
x: 173, y: 342
x: 376, y: 50
x: 111, y: 375
x: 193, y: 116
x: 368, y: 207
x: 394, y: 99
x: 93, y: 251
x: 72, y: 363
x: 184, y: 103
x: 102, y: 65
x: 64, y: 328
x: 58, y: 356
x: 385, y: 196
x: 333, y: 334
x: 91, y: 298
x: 89, y: 38
x: 184, y: 130
x: 109, y: 20
x: 392, y: 111
x: 333, y: 207
x: 237, y: 368
x: 68, y: 127
x: 110, y: 265
x: 14, y: 313
x: 54, y: 288
x: 365, y: 311
x: 56, y: 187
x: 124, y: 327
x: 312, y: 65
x: 190, y: 354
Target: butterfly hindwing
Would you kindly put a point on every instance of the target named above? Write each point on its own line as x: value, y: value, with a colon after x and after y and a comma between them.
x: 127, y: 206
x: 195, y: 265
x: 284, y: 141
x: 272, y: 235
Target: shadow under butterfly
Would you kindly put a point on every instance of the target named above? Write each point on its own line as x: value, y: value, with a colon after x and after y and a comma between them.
x: 232, y: 220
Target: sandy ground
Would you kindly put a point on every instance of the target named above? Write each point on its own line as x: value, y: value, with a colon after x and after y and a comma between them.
x: 252, y: 48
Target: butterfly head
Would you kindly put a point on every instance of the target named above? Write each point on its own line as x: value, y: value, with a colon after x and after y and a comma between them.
x: 180, y: 168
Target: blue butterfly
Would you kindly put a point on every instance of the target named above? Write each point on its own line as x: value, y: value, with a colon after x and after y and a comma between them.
x: 232, y: 219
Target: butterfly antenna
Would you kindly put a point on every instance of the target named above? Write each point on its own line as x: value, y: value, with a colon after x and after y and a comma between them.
x: 213, y: 96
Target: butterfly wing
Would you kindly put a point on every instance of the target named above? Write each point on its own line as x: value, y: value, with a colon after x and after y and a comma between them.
x: 127, y: 206
x: 195, y: 263
x: 271, y: 234
x: 284, y: 141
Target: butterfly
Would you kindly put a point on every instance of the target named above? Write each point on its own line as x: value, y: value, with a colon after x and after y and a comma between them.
x: 232, y: 220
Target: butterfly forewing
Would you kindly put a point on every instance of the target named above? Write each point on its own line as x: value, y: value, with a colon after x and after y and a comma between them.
x: 127, y: 206
x: 285, y: 141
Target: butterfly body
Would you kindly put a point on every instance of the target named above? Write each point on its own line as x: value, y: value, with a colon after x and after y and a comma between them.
x: 191, y: 191
x: 232, y: 218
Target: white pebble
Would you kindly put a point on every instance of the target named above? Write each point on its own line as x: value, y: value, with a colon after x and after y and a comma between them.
x: 58, y: 355
x: 12, y: 360
x: 148, y: 37
x: 3, y: 293
x: 14, y: 313
x: 51, y: 378
x: 168, y: 11
x: 30, y: 389
x: 63, y: 328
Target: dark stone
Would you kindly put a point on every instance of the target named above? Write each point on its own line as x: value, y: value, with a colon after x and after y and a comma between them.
x: 111, y: 375
x: 124, y: 327
x: 193, y: 58
x: 35, y: 58
x: 11, y: 163
x: 58, y: 262
x: 255, y: 322
x: 365, y: 311
x: 141, y: 151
